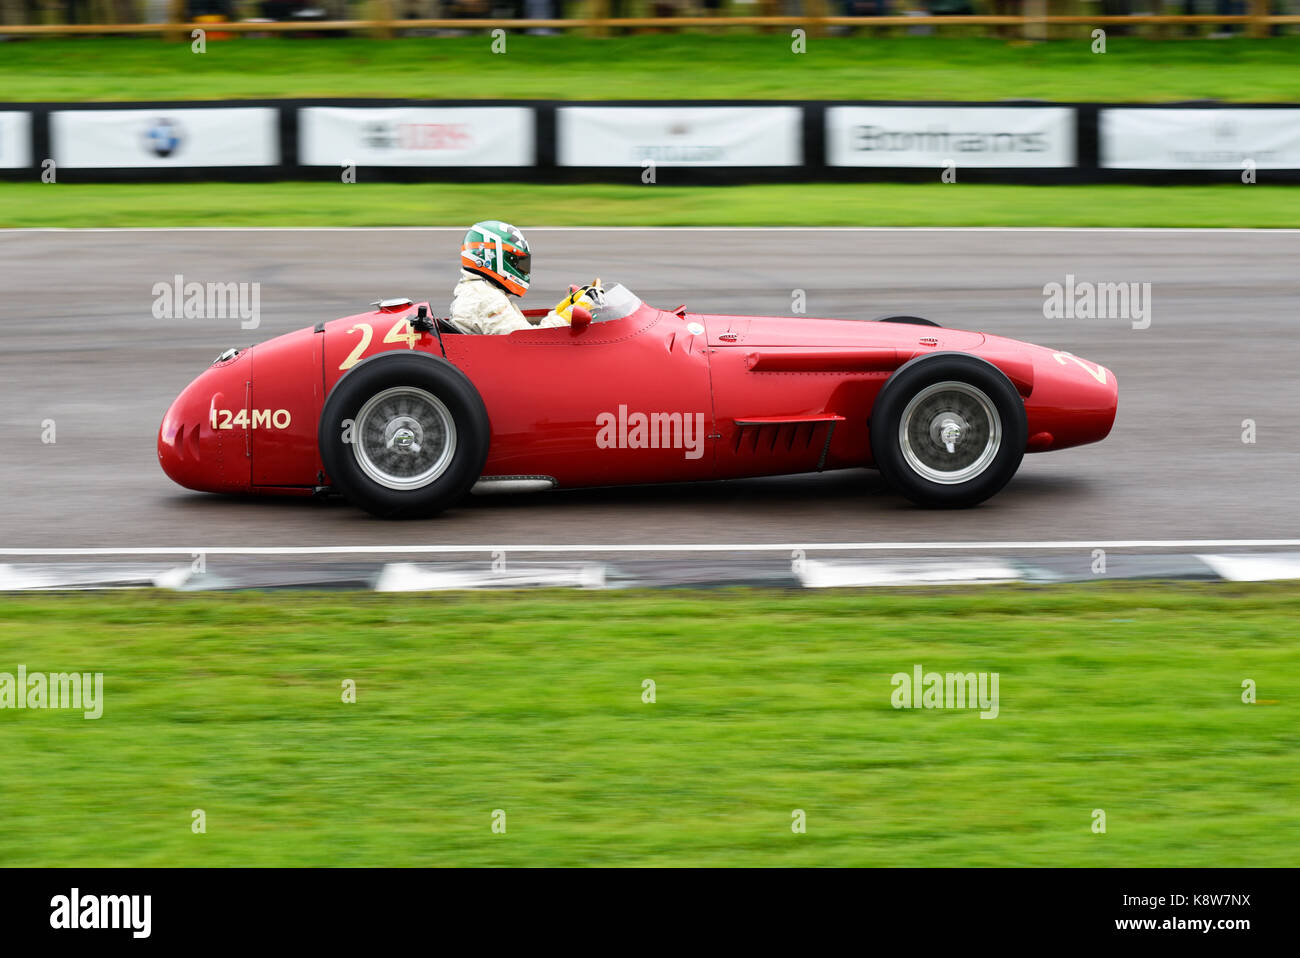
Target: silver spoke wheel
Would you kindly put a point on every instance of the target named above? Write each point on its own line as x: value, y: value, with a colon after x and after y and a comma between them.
x: 950, y: 432
x: 404, y: 437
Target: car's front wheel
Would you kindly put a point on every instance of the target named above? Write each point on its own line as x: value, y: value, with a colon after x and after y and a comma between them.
x: 948, y: 430
x: 404, y: 434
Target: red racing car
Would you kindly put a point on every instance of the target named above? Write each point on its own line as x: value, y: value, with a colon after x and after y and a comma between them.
x: 404, y: 415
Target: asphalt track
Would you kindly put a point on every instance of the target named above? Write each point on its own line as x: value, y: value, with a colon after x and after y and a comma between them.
x: 81, y: 348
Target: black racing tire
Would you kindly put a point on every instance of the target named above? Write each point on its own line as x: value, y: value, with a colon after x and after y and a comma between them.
x: 948, y: 397
x: 404, y: 435
x: 909, y: 320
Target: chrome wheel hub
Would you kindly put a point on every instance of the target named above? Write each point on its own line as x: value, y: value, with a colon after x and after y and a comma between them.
x: 947, y: 430
x: 404, y: 437
x: 950, y: 432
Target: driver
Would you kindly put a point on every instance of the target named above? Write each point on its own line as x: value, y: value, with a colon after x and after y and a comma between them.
x: 495, y: 265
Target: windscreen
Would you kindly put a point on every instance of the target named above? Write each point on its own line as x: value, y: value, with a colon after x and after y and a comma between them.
x: 619, y: 302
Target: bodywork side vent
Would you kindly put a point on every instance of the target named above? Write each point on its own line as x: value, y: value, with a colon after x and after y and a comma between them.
x: 763, y: 433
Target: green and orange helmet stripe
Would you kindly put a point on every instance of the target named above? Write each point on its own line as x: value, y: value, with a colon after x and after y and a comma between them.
x: 498, y: 251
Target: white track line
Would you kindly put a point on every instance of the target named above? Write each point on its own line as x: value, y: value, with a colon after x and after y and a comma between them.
x: 669, y: 547
x: 656, y: 229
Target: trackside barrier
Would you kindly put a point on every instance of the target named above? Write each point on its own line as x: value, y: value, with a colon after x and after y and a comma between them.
x: 643, y: 142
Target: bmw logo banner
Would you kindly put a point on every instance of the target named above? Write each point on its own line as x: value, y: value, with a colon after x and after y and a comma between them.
x: 165, y: 137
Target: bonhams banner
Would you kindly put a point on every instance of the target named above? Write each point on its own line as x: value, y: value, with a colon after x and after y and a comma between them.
x: 15, y: 140
x: 679, y: 135
x: 479, y: 136
x: 1164, y: 139
x: 165, y: 137
x: 984, y: 137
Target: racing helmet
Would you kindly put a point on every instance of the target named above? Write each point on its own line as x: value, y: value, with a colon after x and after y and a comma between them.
x: 499, y: 252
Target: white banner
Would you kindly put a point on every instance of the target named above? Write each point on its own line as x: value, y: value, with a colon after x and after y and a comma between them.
x: 165, y: 137
x: 983, y: 137
x: 416, y: 136
x: 1162, y: 139
x: 15, y: 140
x: 679, y: 135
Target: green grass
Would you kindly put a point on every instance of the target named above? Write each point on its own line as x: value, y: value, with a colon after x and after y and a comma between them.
x: 1123, y: 698
x: 655, y: 67
x: 810, y: 204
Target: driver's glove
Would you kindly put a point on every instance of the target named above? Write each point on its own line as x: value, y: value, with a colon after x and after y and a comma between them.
x: 591, y: 297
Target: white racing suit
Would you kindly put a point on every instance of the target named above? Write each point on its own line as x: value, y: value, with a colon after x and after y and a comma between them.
x: 480, y: 306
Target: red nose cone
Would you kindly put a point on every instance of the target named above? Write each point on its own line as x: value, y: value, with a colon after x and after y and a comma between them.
x: 203, y: 441
x: 1097, y: 405
x: 1074, y: 402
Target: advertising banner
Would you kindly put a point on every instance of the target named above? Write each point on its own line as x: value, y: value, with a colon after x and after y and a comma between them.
x: 1163, y: 139
x: 983, y: 137
x: 612, y: 136
x: 165, y: 137
x: 471, y: 136
x: 15, y: 140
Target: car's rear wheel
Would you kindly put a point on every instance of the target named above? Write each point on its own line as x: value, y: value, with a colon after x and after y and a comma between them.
x: 948, y: 430
x: 404, y: 434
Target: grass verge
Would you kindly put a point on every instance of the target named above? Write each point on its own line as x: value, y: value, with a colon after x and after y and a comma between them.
x: 1116, y: 697
x: 666, y: 66
x: 808, y: 204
